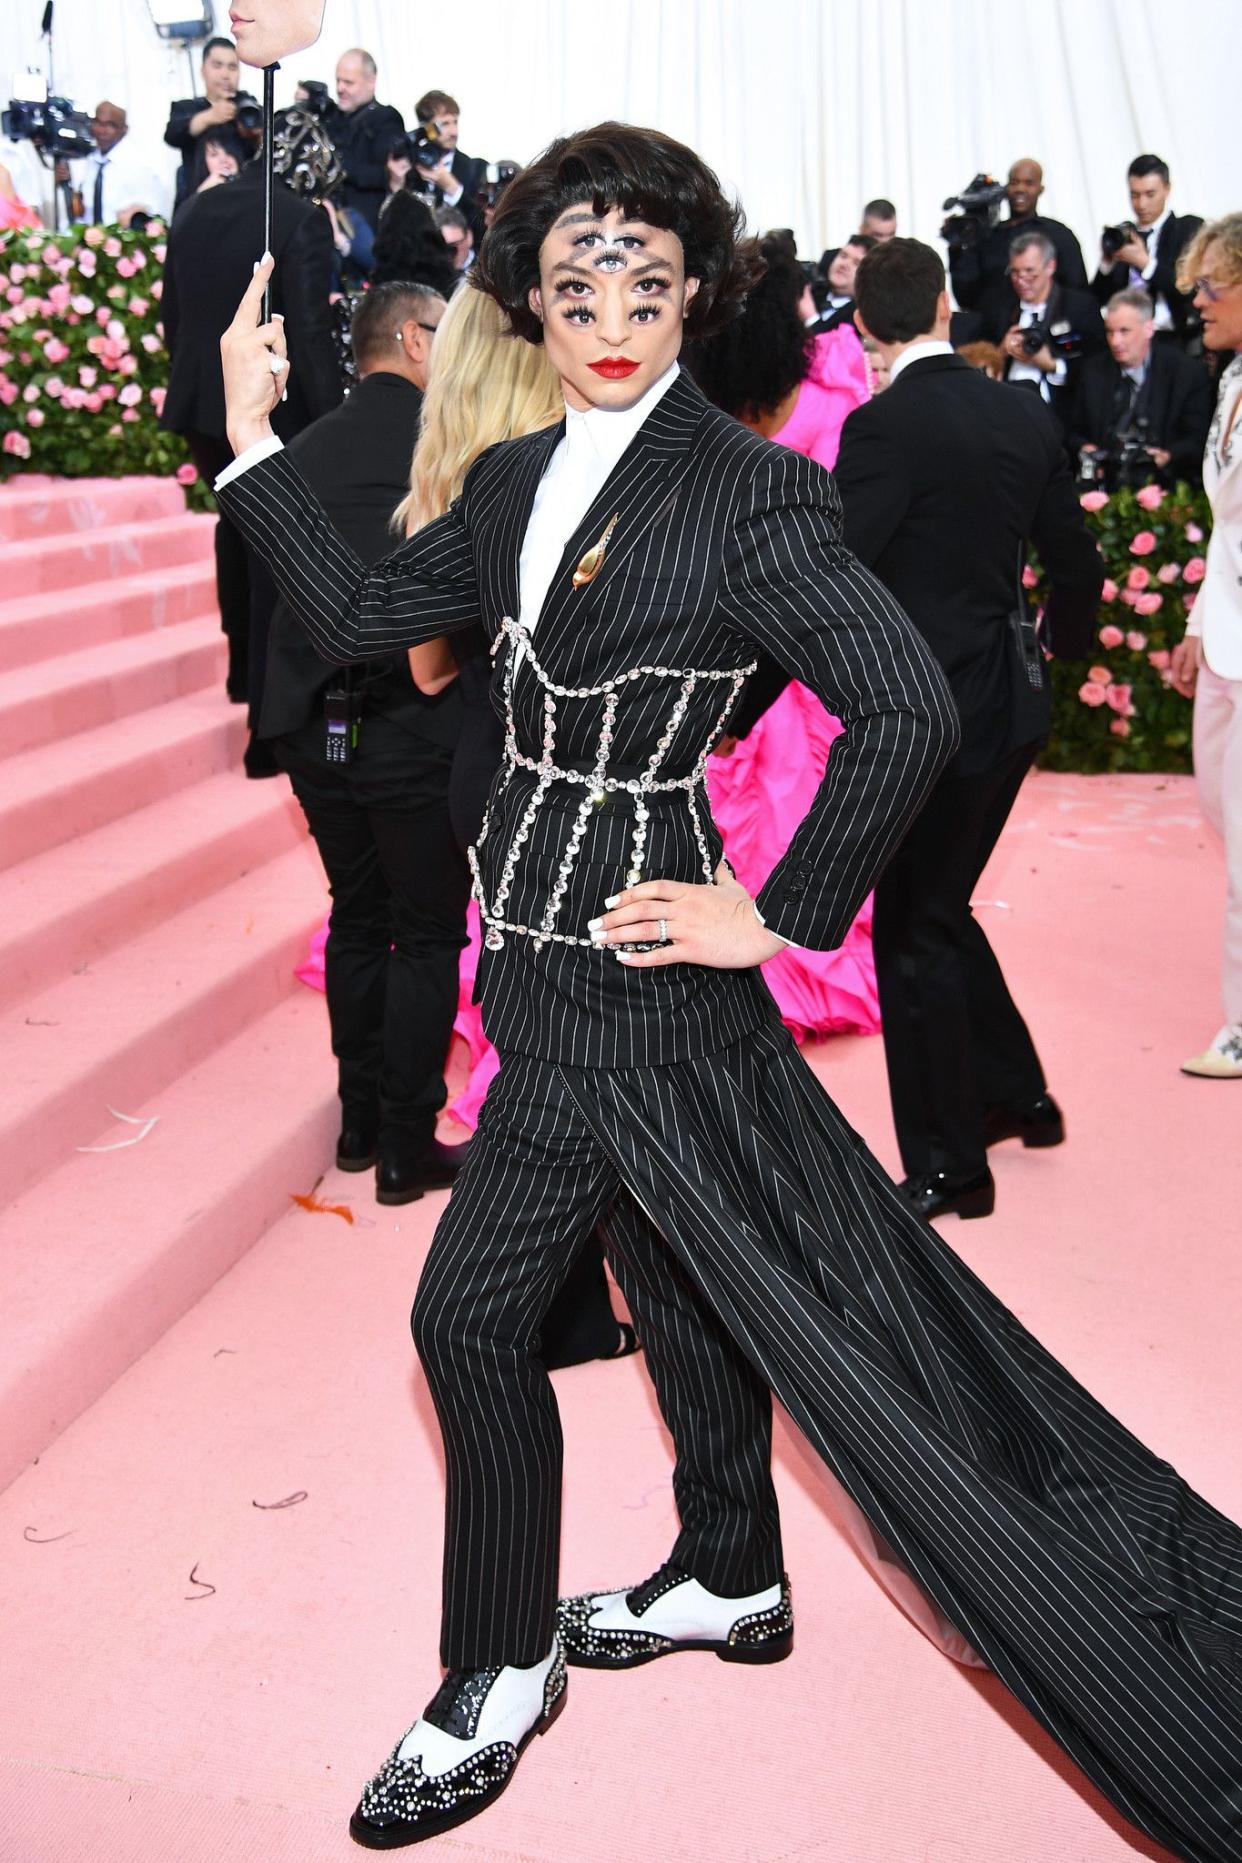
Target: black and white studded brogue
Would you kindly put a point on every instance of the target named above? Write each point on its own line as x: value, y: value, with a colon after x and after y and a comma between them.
x: 460, y: 1754
x: 670, y: 1612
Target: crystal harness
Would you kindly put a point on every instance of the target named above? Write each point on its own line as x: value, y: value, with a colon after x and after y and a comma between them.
x: 596, y: 782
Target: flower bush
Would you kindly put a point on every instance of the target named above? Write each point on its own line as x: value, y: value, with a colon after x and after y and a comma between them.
x: 1122, y: 713
x: 83, y: 366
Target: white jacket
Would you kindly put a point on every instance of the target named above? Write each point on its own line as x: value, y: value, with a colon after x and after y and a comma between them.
x: 1217, y: 614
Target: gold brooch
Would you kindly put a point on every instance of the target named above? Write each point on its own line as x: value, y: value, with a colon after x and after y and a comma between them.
x: 593, y: 561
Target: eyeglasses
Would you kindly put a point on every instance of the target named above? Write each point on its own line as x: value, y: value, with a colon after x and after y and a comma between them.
x: 1210, y: 291
x: 1027, y: 277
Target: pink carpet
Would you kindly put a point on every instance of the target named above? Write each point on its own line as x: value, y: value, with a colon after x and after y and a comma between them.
x: 147, y: 1716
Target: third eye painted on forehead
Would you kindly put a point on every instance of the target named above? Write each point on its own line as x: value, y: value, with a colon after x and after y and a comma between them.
x: 591, y: 248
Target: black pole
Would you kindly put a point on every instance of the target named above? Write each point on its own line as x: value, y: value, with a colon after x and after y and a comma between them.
x: 269, y: 117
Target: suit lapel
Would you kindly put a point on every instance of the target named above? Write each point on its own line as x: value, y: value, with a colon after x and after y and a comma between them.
x: 520, y: 496
x: 642, y: 484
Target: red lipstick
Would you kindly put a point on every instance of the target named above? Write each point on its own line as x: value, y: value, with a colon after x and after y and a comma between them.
x: 613, y: 368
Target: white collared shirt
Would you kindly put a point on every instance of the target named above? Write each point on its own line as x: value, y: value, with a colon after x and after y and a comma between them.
x: 1030, y: 371
x: 1164, y: 316
x: 593, y: 444
x: 129, y: 180
x: 918, y: 351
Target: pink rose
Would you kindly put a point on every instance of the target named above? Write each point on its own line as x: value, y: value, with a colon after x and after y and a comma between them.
x: 187, y: 474
x: 138, y: 307
x: 1138, y: 578
x: 1193, y: 534
x: 113, y: 249
x: 1149, y: 498
x: 9, y: 392
x: 87, y: 377
x: 156, y: 397
x: 58, y: 297
x: 128, y: 365
x: 130, y: 414
x: 93, y: 403
x: 157, y: 287
x: 1100, y: 675
x: 30, y: 392
x: 1194, y: 570
x: 1093, y: 501
x: 114, y: 433
x: 17, y: 273
x: 95, y: 345
x: 1168, y: 572
x: 1143, y: 544
x: 107, y: 390
x: 1109, y: 592
x: 117, y: 331
x: 151, y: 343
x: 82, y: 304
x: 1160, y: 658
x: 137, y: 259
x: 1118, y: 697
x: 36, y: 417
x: 53, y: 386
x: 1120, y: 727
x: 160, y: 252
x: 56, y: 352
x: 73, y: 398
x: 1111, y: 637
x: 103, y: 316
x: 15, y: 294
x: 94, y: 236
x: 86, y: 264
x: 1029, y: 578
x: 115, y: 293
x: 1190, y: 601
x: 1136, y: 641
x: 1149, y: 604
x: 17, y: 444
x: 1091, y: 692
x: 130, y: 395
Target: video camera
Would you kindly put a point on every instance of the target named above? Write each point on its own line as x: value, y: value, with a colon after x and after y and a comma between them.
x: 978, y: 205
x: 1114, y: 238
x: 51, y: 125
x: 1125, y: 462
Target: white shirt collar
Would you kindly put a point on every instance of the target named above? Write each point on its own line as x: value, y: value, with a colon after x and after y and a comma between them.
x: 1152, y: 232
x: 608, y: 431
x: 919, y: 351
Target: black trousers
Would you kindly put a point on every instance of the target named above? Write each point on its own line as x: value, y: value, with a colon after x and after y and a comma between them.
x: 400, y: 887
x: 233, y: 564
x: 954, y: 1040
x: 1096, y: 1584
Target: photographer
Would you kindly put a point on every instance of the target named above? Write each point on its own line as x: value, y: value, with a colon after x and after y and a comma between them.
x: 455, y: 179
x: 1144, y: 251
x: 1142, y: 412
x: 1045, y: 329
x: 879, y: 219
x: 836, y: 305
x: 457, y: 236
x: 191, y: 118
x: 116, y: 181
x: 979, y: 258
x: 363, y: 131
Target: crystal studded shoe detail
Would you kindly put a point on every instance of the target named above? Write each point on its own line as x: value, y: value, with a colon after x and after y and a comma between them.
x: 410, y: 1799
x: 670, y: 1612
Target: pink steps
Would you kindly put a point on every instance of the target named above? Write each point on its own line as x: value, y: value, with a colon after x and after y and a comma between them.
x: 153, y: 904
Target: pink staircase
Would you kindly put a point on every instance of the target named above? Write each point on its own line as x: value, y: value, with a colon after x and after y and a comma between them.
x: 153, y: 903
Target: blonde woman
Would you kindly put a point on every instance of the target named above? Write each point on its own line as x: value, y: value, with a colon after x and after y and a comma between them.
x: 485, y: 385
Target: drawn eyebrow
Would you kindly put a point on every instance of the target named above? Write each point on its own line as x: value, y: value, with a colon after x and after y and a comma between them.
x: 567, y: 265
x: 593, y: 219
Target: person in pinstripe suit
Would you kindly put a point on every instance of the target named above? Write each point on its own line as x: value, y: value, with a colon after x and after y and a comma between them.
x: 627, y: 567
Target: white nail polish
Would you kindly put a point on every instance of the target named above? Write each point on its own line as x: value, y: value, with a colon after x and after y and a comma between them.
x: 594, y: 925
x: 614, y: 901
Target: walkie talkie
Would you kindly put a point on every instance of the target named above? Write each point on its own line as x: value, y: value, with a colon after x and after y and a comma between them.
x: 342, y: 710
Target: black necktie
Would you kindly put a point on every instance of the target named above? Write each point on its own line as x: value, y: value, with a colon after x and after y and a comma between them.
x: 97, y: 206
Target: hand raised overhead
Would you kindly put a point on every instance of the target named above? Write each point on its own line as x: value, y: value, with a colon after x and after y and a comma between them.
x: 255, y: 363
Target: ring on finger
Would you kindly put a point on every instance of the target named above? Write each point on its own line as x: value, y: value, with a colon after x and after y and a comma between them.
x: 664, y: 937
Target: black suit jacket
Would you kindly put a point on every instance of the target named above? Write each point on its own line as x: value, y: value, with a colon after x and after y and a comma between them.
x: 357, y: 462
x: 1076, y: 308
x: 1176, y: 401
x: 464, y: 169
x: 725, y: 545
x: 980, y: 275
x: 177, y: 135
x: 213, y: 243
x: 362, y: 139
x: 1175, y: 235
x: 944, y: 478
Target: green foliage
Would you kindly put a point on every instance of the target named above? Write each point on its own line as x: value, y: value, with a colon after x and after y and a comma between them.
x: 1119, y: 712
x: 82, y: 360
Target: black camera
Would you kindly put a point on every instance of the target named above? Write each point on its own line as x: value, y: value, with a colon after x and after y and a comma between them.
x: 496, y: 177
x: 978, y: 209
x: 57, y: 131
x: 1113, y: 238
x: 1126, y: 461
x: 422, y: 146
x: 249, y: 118
x: 315, y: 99
x: 1060, y: 337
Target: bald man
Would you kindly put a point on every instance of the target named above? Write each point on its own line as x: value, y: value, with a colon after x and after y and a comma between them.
x: 979, y: 275
x: 117, y: 180
x: 362, y: 131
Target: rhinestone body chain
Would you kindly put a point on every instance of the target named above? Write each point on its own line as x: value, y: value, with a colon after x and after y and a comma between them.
x: 595, y: 783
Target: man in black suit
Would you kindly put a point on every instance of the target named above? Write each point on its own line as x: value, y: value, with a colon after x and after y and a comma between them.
x: 1146, y: 407
x: 979, y: 272
x: 212, y: 247
x: 380, y: 818
x: 1038, y: 305
x: 454, y: 179
x: 362, y: 131
x: 191, y: 117
x: 839, y: 265
x: 944, y: 478
x: 1149, y: 258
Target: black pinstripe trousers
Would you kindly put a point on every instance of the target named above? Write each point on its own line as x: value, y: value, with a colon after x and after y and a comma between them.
x: 1097, y: 1585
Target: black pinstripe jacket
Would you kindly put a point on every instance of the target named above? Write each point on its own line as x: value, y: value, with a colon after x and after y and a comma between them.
x: 725, y: 544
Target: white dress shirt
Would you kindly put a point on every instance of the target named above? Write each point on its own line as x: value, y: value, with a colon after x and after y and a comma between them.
x: 1030, y: 371
x: 129, y: 180
x: 919, y: 351
x: 1164, y: 316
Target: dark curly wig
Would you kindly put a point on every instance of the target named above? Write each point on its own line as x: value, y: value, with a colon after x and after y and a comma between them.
x: 648, y: 176
x: 408, y: 245
x: 749, y: 368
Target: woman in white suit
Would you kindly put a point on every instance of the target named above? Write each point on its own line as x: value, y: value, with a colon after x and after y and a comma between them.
x: 1208, y: 663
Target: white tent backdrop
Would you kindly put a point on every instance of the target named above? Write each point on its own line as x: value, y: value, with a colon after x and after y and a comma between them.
x: 805, y: 107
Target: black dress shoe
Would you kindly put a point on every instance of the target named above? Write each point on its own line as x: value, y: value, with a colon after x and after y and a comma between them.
x: 1037, y: 1124
x: 938, y: 1193
x: 355, y: 1149
x: 401, y: 1176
